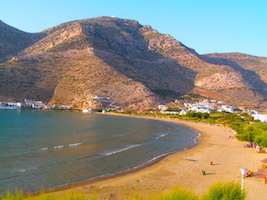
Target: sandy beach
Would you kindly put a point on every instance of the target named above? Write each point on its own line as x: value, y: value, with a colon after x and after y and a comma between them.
x: 184, y: 169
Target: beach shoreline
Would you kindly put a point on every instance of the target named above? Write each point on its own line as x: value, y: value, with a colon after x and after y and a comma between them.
x: 183, y: 168
x: 137, y: 168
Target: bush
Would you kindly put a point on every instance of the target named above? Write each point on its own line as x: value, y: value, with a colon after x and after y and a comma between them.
x: 48, y: 196
x: 65, y: 196
x: 218, y: 191
x: 176, y: 194
x: 9, y: 196
x: 225, y: 191
x: 254, y: 133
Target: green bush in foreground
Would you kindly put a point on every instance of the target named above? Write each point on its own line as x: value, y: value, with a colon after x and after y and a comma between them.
x: 65, y: 196
x: 225, y: 191
x: 48, y: 196
x: 176, y: 194
x: 219, y: 191
x: 9, y: 196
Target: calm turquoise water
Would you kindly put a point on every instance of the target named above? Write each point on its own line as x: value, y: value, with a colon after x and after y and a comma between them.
x: 42, y: 150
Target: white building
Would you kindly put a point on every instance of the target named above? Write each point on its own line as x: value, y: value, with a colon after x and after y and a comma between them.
x: 170, y: 112
x: 34, y: 104
x: 99, y: 98
x: 9, y: 106
x: 200, y: 107
x: 251, y: 112
x: 188, y: 104
x: 230, y: 109
x: 183, y: 112
x: 162, y: 108
x: 261, y: 117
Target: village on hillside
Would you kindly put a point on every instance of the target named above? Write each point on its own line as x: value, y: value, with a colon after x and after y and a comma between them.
x: 209, y: 106
x: 106, y: 104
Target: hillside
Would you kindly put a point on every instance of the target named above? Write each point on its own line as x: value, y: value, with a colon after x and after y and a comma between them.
x: 134, y: 65
x: 252, y: 68
x: 13, y: 41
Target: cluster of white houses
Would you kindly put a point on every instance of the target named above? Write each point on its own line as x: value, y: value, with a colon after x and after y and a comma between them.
x: 208, y: 106
x: 29, y: 104
x: 10, y: 105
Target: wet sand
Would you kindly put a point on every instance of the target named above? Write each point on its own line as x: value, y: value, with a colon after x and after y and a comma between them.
x: 185, y: 168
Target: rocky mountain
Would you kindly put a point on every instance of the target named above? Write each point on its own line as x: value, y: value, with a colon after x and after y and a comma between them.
x: 134, y: 65
x: 13, y: 41
x: 253, y: 70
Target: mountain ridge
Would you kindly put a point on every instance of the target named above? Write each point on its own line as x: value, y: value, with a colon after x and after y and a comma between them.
x: 13, y: 40
x: 134, y: 65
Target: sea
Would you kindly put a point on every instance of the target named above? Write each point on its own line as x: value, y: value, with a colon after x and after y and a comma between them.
x: 43, y: 150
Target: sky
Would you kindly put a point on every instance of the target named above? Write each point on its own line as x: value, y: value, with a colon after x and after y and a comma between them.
x: 208, y: 26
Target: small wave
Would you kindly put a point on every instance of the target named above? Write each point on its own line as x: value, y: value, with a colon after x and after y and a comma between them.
x: 162, y: 135
x: 148, y: 162
x: 61, y: 146
x: 24, y: 170
x: 196, y: 138
x: 75, y: 144
x: 121, y: 150
x: 125, y: 134
x: 21, y: 170
x: 154, y: 159
x: 58, y: 147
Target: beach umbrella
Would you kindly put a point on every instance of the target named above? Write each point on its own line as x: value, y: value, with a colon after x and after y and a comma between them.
x: 243, y: 172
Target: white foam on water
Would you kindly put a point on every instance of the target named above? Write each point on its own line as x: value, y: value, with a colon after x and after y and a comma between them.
x: 24, y: 170
x: 21, y: 170
x: 123, y: 149
x: 58, y: 147
x: 75, y: 144
x: 162, y: 135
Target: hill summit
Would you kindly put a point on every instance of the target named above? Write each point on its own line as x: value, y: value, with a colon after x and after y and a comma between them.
x: 134, y: 65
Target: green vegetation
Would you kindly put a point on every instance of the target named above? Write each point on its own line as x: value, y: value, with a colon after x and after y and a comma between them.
x: 48, y: 196
x: 219, y: 191
x: 176, y: 194
x: 174, y: 109
x: 9, y: 196
x: 224, y: 191
x: 67, y: 196
x: 254, y: 133
x: 98, y: 110
x: 243, y: 124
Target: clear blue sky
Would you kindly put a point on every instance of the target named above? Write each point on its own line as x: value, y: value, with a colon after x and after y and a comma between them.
x: 205, y: 25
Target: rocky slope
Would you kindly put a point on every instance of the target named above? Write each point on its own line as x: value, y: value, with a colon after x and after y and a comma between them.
x: 253, y: 69
x: 13, y: 41
x: 134, y: 65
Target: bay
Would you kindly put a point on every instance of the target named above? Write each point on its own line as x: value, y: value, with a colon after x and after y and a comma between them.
x: 44, y: 150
